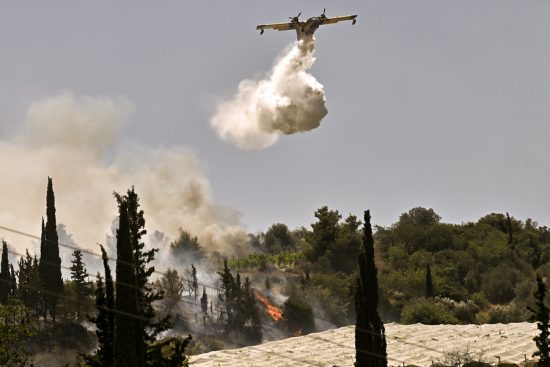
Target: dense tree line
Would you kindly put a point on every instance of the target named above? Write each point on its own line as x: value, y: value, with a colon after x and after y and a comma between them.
x: 429, y: 271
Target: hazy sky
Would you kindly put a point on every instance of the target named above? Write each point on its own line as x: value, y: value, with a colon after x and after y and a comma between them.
x: 442, y: 104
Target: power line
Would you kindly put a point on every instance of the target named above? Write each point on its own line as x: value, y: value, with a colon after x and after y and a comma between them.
x: 56, y: 294
x: 89, y: 252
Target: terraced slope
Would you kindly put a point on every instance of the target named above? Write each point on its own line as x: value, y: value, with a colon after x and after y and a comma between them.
x: 409, y: 344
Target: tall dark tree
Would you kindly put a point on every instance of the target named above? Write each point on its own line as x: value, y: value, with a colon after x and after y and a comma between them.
x: 541, y: 314
x: 240, y: 312
x: 100, y: 358
x: 225, y: 295
x: 195, y: 281
x: 104, y: 319
x: 370, y: 336
x: 429, y: 282
x: 109, y: 304
x: 29, y: 283
x: 78, y: 276
x: 124, y: 340
x: 13, y: 282
x: 5, y: 279
x: 252, y: 325
x: 146, y: 328
x: 42, y: 264
x: 50, y: 262
x: 510, y: 231
x: 24, y: 278
x: 204, y: 304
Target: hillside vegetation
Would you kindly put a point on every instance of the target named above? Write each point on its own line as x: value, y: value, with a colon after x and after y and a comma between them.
x: 480, y: 272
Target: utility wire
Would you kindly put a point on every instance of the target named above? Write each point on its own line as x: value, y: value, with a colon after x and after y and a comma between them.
x: 89, y: 252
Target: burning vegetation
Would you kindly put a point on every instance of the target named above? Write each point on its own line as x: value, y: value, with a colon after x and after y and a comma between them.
x: 273, y: 311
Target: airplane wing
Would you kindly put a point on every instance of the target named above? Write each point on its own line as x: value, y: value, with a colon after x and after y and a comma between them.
x: 333, y: 20
x: 277, y: 26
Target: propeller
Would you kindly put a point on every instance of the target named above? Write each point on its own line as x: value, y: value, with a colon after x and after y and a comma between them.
x: 296, y: 17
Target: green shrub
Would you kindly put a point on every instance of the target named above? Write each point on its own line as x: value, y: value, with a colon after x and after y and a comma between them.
x: 480, y: 300
x: 499, y: 284
x: 427, y: 312
x: 298, y: 315
x: 465, y: 312
x: 506, y: 314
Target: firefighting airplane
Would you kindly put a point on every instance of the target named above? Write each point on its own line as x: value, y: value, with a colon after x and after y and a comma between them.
x: 306, y: 28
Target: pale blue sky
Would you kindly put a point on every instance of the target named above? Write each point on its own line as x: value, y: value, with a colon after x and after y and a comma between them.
x: 443, y: 104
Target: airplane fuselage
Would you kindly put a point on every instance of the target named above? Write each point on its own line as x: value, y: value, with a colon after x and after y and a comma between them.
x: 307, y: 28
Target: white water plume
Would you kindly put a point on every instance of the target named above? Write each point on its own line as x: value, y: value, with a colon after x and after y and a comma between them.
x: 289, y: 100
x: 73, y: 139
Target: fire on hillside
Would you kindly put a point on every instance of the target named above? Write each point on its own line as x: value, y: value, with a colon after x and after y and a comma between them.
x: 273, y: 311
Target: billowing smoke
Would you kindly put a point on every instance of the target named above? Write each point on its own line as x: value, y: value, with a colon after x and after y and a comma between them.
x: 289, y: 100
x: 73, y: 139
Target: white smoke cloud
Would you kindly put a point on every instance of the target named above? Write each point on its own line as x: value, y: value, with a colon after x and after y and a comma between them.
x: 289, y: 100
x: 68, y: 137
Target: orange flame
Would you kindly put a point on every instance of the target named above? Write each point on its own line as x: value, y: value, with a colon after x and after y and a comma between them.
x: 273, y: 311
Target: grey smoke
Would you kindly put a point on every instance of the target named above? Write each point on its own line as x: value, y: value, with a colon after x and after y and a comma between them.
x: 74, y: 139
x: 288, y: 101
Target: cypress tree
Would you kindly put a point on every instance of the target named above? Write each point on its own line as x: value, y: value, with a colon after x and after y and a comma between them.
x: 99, y: 358
x: 13, y: 280
x: 509, y: 225
x: 124, y: 341
x: 35, y: 301
x: 29, y: 282
x: 43, y: 256
x: 429, y: 283
x: 370, y: 338
x: 195, y: 282
x: 226, y: 292
x: 105, y: 318
x: 51, y: 264
x: 78, y: 276
x: 5, y: 279
x: 110, y: 305
x: 42, y: 272
x: 145, y: 328
x: 24, y: 276
x: 252, y: 324
x: 204, y: 304
x: 237, y: 306
x: 541, y: 314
